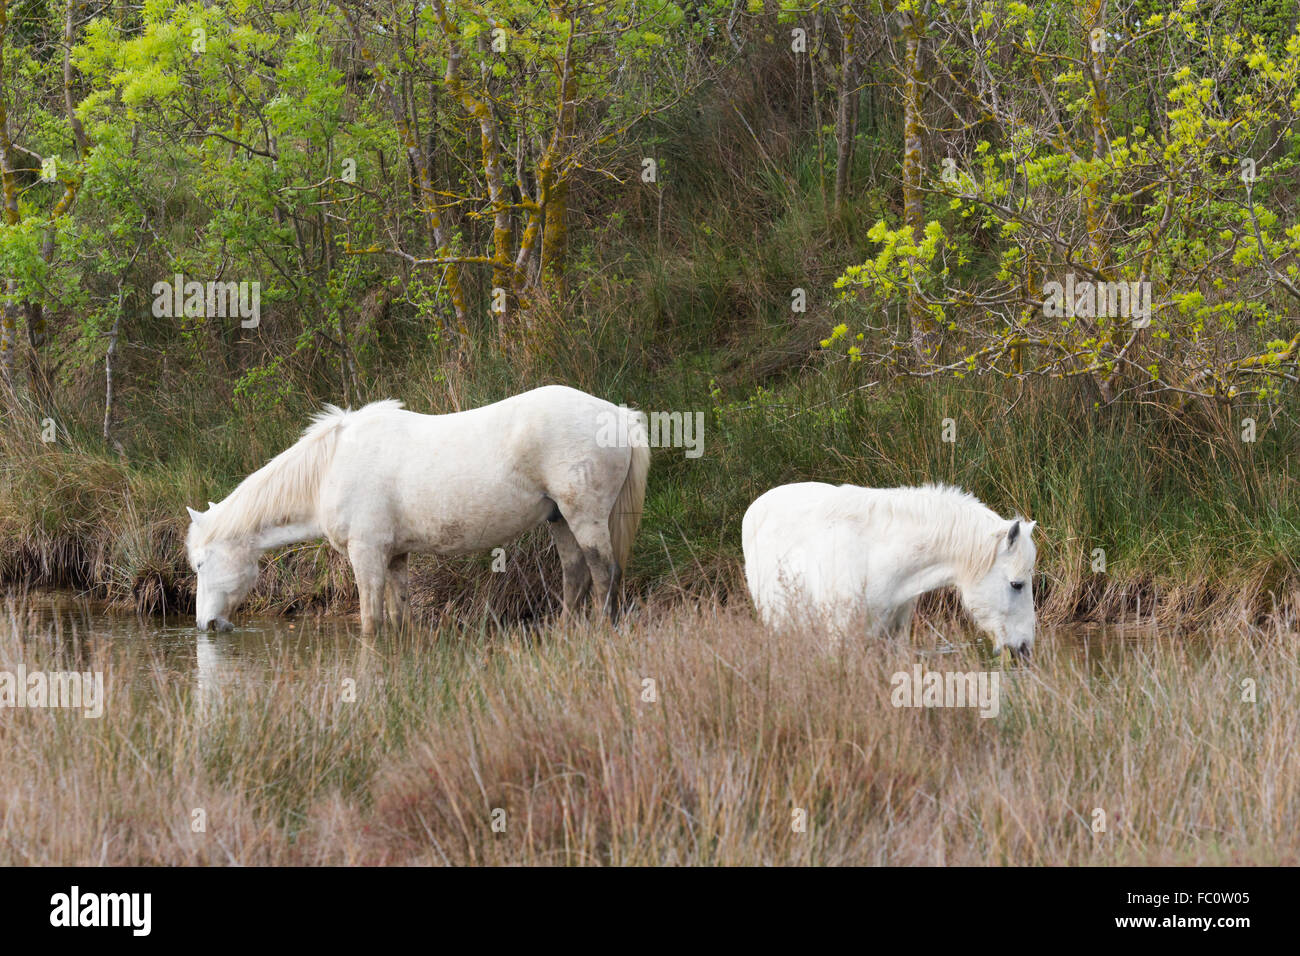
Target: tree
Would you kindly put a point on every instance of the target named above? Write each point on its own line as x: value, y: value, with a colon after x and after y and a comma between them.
x: 548, y: 92
x: 1113, y: 175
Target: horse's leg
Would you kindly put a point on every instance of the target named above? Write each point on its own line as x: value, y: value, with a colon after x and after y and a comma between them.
x: 900, y: 623
x: 593, y: 537
x: 395, y: 591
x: 370, y: 566
x: 577, y: 577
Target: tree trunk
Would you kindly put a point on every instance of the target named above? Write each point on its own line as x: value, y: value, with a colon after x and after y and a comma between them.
x: 493, y: 167
x: 913, y: 207
x: 110, y: 357
x: 846, y: 116
x: 555, y: 236
x: 419, y: 160
x: 9, y: 191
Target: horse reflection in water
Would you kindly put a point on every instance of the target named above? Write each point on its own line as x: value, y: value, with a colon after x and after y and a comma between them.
x: 269, y: 657
x: 209, y: 667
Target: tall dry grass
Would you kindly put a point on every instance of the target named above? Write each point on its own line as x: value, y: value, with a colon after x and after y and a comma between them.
x: 550, y: 725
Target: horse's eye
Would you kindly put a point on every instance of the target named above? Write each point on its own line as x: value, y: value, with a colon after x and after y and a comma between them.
x: 1017, y: 585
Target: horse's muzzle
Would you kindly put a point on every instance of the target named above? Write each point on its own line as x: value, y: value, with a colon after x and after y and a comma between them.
x: 219, y: 624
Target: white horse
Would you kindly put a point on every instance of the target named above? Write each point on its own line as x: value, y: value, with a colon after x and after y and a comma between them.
x: 381, y: 482
x: 839, y: 557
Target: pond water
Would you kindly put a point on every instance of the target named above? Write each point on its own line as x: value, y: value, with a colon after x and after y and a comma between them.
x: 269, y: 647
x: 260, y: 648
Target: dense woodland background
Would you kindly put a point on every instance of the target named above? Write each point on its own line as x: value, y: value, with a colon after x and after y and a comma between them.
x: 828, y: 226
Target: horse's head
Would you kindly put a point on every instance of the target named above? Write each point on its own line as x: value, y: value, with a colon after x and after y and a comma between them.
x: 1002, y: 601
x: 225, y: 570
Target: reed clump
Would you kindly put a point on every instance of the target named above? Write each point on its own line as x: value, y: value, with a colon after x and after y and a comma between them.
x: 688, y: 736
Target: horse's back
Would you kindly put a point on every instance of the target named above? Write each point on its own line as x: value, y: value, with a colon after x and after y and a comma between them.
x: 553, y: 403
x: 509, y: 429
x: 462, y: 481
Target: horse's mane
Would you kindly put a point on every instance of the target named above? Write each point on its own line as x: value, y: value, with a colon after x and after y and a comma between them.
x: 951, y: 520
x: 285, y: 487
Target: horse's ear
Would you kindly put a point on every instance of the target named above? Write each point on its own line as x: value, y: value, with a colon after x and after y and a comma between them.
x: 1013, y: 533
x: 194, y: 515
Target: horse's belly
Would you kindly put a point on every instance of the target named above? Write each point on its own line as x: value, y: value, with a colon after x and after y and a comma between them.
x: 446, y: 517
x: 480, y: 522
x: 455, y: 536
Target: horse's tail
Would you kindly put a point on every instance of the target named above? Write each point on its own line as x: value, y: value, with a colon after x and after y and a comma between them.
x: 626, y: 516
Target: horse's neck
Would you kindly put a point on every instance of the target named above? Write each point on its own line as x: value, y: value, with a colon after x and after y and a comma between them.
x: 280, y: 535
x: 940, y: 573
x: 276, y: 504
x: 944, y: 567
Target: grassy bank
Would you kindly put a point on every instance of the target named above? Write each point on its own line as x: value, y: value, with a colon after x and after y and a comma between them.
x: 1197, y: 528
x: 553, y: 727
